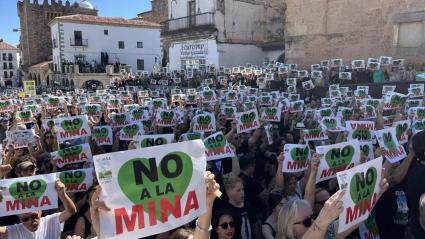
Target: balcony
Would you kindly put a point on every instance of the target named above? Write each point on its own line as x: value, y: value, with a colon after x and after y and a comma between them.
x: 79, y: 42
x: 204, y: 21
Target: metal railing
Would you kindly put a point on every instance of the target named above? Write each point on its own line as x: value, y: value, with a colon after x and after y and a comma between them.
x: 78, y: 42
x: 193, y: 21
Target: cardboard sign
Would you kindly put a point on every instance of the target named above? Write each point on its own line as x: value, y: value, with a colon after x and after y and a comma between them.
x: 247, y: 121
x: 151, y: 190
x: 271, y: 114
x: 77, y: 180
x: 360, y: 130
x: 28, y: 194
x: 53, y: 103
x: 336, y: 158
x: 296, y: 106
x: 315, y: 134
x: 392, y: 100
x: 131, y: 131
x: 20, y: 138
x: 113, y: 104
x: 145, y: 141
x: 362, y: 184
x: 120, y: 120
x: 72, y: 128
x: 191, y: 136
x: 204, y: 123
x: 166, y: 118
x: 401, y: 128
x: 229, y: 112
x: 366, y: 148
x: 217, y: 147
x: 24, y: 117
x: 392, y: 150
x: 344, y: 113
x: 103, y: 135
x: 92, y: 110
x: 74, y: 154
x: 297, y: 158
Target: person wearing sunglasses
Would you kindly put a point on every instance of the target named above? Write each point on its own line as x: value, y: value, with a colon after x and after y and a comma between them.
x: 223, y: 225
x: 33, y: 225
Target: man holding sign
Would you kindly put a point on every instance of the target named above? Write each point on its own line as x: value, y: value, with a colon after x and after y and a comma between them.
x: 34, y: 226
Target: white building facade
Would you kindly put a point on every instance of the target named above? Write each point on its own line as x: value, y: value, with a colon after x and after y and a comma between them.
x: 9, y: 65
x: 95, y: 42
x: 219, y: 32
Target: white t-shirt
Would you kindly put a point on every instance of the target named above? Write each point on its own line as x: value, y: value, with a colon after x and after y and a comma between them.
x: 49, y: 228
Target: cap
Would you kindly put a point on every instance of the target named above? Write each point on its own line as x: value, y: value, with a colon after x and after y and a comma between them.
x: 25, y: 164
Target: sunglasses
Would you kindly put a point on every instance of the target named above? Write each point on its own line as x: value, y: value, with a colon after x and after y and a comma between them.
x: 306, y: 222
x: 32, y: 217
x: 226, y: 225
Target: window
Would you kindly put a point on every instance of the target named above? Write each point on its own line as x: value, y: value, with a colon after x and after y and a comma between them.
x: 105, y: 32
x: 10, y: 57
x: 121, y: 44
x: 5, y: 74
x: 191, y: 13
x: 4, y: 56
x: 156, y: 59
x: 4, y: 65
x: 11, y: 74
x: 139, y: 44
x: 54, y: 43
x: 78, y: 38
x: 140, y: 64
x: 10, y: 65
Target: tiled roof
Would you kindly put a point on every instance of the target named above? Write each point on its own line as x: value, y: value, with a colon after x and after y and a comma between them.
x: 6, y: 46
x: 43, y: 64
x: 108, y: 20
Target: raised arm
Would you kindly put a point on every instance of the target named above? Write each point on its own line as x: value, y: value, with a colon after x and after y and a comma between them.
x: 309, y: 193
x: 69, y: 205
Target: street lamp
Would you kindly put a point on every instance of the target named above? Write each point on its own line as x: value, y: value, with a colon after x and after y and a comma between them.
x: 16, y: 30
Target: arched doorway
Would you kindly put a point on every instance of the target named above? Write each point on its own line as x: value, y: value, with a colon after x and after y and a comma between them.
x: 92, y: 85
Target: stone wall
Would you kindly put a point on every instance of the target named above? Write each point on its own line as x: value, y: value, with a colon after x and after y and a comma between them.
x: 35, y: 42
x: 322, y: 29
x: 159, y: 12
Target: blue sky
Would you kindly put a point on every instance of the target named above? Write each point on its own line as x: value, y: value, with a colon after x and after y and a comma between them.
x: 109, y: 8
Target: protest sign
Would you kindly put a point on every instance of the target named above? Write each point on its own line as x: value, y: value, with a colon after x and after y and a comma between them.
x: 229, y: 112
x: 131, y: 131
x: 344, y: 113
x: 369, y: 229
x: 74, y: 154
x: 336, y: 158
x: 191, y: 136
x: 120, y: 119
x: 297, y: 158
x: 20, y: 138
x: 366, y: 148
x: 296, y: 106
x: 24, y: 117
x: 28, y: 194
x: 392, y: 100
x: 362, y: 184
x: 204, y: 123
x: 315, y: 134
x: 139, y: 114
x: 145, y: 141
x: 217, y: 147
x: 331, y: 124
x: 387, y: 140
x: 72, y: 127
x: 166, y: 118
x: 247, y: 121
x: 401, y: 128
x: 360, y: 130
x: 6, y: 106
x: 53, y: 103
x: 77, y: 180
x: 271, y: 114
x: 103, y: 135
x: 160, y: 188
x: 92, y: 110
x: 113, y: 104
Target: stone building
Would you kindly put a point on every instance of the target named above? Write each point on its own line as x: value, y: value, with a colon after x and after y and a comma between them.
x: 228, y: 32
x: 321, y: 29
x: 158, y: 14
x: 35, y: 41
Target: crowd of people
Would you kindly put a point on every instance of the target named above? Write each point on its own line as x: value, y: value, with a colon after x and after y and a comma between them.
x: 259, y: 200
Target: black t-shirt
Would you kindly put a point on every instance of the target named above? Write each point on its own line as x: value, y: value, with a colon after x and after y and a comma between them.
x: 414, y: 189
x: 391, y: 213
x: 244, y: 219
x: 252, y: 189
